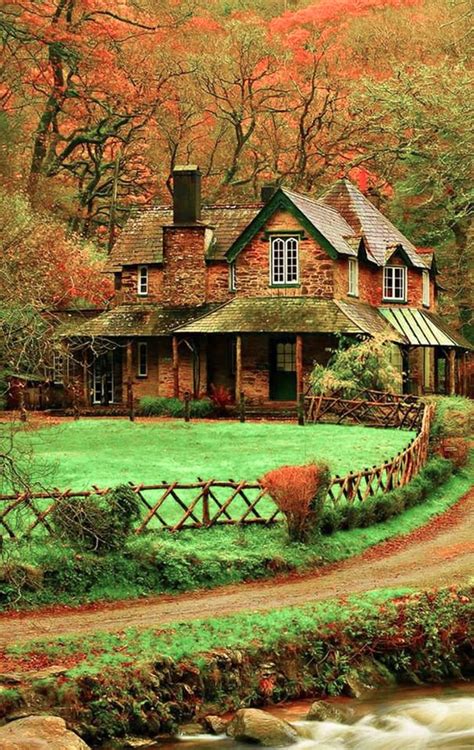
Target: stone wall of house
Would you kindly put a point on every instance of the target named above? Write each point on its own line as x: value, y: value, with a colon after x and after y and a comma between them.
x: 253, y: 264
x: 184, y: 267
x: 129, y: 290
x: 217, y: 282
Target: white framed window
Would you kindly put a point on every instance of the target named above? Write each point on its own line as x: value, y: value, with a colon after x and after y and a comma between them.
x: 283, y: 261
x: 395, y: 283
x: 142, y: 359
x: 426, y: 288
x: 232, y: 277
x: 353, y: 277
x: 142, y: 281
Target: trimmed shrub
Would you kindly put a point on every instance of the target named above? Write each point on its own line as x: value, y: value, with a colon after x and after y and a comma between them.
x: 299, y: 492
x: 159, y: 406
x: 456, y: 449
x: 454, y: 417
x: 383, y: 507
x: 98, y: 523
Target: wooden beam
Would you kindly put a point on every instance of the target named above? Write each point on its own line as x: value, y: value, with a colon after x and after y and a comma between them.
x: 299, y: 366
x: 129, y: 360
x: 85, y: 377
x: 465, y: 360
x: 238, y: 366
x: 451, y: 372
x: 175, y: 367
x: 436, y: 372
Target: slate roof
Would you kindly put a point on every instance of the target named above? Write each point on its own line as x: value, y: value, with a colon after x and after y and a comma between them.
x: 381, y: 237
x: 141, y: 240
x: 138, y: 320
x: 327, y: 221
x: 423, y: 328
x: 287, y: 315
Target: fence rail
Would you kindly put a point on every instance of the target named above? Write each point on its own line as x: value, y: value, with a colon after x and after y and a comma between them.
x: 370, y: 407
x: 205, y: 503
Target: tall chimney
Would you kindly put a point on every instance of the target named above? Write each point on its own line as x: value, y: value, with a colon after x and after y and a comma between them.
x: 186, y: 194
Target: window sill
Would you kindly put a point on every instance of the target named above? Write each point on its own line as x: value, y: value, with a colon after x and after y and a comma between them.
x: 285, y: 286
x: 351, y: 294
x: 394, y: 301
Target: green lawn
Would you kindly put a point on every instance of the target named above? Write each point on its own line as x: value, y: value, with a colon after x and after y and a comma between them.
x: 107, y: 452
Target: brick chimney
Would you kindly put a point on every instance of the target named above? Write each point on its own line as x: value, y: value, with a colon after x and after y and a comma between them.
x: 267, y: 191
x: 186, y: 194
x: 184, y: 243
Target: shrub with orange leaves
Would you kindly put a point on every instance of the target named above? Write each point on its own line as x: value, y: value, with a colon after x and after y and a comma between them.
x: 456, y: 449
x: 299, y: 492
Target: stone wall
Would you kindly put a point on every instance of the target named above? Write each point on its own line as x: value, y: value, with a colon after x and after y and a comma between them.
x: 184, y: 267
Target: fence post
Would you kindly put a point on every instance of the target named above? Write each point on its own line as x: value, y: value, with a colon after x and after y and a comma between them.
x: 205, y: 506
x: 242, y: 407
x: 301, y: 409
x: 187, y: 405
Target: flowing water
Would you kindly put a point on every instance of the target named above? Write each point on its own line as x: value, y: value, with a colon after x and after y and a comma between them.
x: 408, y: 719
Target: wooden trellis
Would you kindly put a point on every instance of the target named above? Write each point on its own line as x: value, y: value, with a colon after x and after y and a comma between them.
x: 174, y: 506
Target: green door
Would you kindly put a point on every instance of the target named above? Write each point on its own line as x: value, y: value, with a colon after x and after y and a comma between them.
x: 283, y: 369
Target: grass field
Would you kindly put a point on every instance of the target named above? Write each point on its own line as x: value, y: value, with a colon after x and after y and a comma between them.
x: 108, y: 452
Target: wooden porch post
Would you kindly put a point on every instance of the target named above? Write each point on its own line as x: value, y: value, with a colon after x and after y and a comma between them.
x: 175, y: 367
x: 464, y: 373
x: 452, y: 372
x: 85, y: 377
x: 238, y: 366
x: 436, y: 371
x: 299, y: 366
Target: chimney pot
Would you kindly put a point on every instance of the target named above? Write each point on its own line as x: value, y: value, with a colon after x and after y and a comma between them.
x: 186, y: 194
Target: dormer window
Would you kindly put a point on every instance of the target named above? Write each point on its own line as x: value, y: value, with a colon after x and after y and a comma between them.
x: 232, y: 277
x: 426, y: 288
x: 283, y: 261
x: 142, y: 283
x: 353, y: 273
x: 395, y: 284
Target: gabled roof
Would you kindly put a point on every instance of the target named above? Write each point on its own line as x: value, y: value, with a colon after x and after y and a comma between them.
x: 322, y: 222
x: 292, y: 315
x: 141, y: 240
x: 137, y: 320
x: 381, y: 237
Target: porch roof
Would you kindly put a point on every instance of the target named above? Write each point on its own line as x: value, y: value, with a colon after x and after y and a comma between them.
x: 137, y: 320
x: 423, y: 328
x: 290, y: 315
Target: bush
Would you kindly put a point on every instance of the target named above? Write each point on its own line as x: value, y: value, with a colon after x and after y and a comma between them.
x: 356, y: 366
x: 299, y: 492
x: 97, y: 523
x: 159, y: 406
x: 456, y: 449
x: 221, y: 397
x: 382, y: 507
x: 454, y: 417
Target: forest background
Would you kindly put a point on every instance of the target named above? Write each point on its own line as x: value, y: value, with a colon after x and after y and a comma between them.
x: 99, y: 101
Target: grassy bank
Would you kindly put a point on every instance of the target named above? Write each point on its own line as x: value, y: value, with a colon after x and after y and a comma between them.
x: 145, y: 682
x: 37, y: 574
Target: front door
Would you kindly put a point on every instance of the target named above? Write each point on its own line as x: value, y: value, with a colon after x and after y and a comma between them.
x: 283, y: 369
x: 103, y: 379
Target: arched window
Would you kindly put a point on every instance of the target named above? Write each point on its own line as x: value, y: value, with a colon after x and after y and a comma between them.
x: 283, y: 261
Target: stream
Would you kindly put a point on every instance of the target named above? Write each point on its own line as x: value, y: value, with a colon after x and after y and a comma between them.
x: 401, y: 719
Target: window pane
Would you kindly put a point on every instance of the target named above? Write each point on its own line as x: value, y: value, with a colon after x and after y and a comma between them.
x: 278, y: 261
x: 291, y: 260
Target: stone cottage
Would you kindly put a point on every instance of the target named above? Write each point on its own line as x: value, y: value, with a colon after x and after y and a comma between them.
x: 250, y: 296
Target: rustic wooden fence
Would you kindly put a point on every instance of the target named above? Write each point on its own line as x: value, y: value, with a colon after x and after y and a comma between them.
x: 368, y: 407
x: 203, y: 504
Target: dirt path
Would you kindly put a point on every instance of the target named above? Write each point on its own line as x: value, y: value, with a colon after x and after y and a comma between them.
x: 440, y: 553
